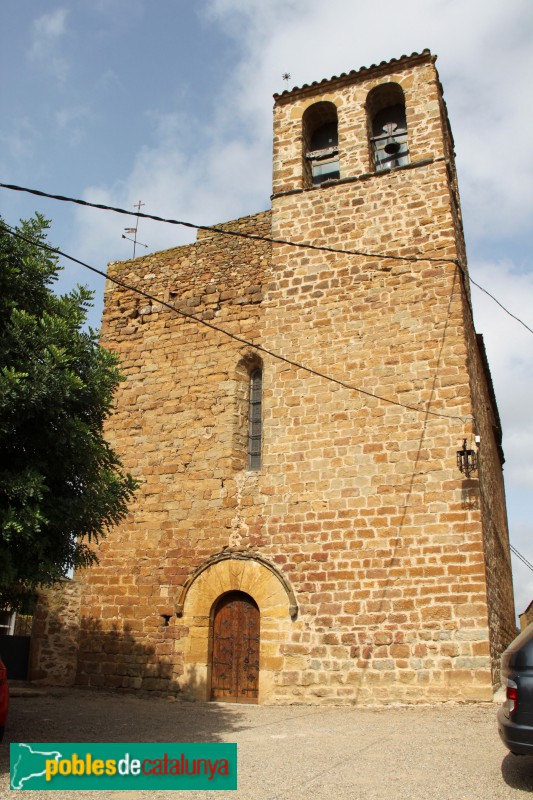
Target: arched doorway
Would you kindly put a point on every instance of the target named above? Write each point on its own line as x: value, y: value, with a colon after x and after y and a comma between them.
x: 197, y: 602
x: 235, y: 649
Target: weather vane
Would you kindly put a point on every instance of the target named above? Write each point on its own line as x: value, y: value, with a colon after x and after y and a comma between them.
x: 286, y: 77
x: 135, y: 229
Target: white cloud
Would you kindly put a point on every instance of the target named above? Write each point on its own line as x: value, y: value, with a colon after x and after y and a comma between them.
x: 170, y: 185
x: 47, y: 33
x: 510, y: 354
x: 49, y: 28
x: 306, y: 38
x: 72, y: 123
x: 485, y: 63
x: 213, y: 169
x: 18, y: 138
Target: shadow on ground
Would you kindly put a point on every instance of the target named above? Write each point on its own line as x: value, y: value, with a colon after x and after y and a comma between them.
x: 92, y: 715
x: 517, y: 772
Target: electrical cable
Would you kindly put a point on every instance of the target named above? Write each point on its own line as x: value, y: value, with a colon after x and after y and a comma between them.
x: 240, y: 339
x: 521, y: 557
x: 257, y: 237
x: 501, y: 306
x: 222, y: 231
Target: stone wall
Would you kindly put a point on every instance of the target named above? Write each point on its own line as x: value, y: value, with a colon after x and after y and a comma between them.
x: 397, y: 568
x: 526, y: 617
x: 176, y: 426
x: 490, y: 494
x: 54, y: 643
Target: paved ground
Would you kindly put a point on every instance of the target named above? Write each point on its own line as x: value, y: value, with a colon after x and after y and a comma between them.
x: 449, y: 752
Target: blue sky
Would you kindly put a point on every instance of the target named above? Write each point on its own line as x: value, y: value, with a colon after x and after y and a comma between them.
x: 170, y: 102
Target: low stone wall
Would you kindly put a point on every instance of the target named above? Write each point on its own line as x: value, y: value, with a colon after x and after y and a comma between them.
x: 56, y: 624
x: 526, y: 617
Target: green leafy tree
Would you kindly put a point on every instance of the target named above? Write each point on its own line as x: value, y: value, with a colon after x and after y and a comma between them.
x: 61, y: 484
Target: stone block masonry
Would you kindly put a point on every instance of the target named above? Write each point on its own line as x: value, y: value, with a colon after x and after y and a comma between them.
x: 379, y: 572
x: 55, y: 635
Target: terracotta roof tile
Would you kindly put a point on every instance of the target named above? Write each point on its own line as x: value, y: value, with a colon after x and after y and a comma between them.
x: 353, y: 73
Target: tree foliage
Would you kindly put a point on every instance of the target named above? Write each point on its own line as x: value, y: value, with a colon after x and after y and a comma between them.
x: 61, y: 484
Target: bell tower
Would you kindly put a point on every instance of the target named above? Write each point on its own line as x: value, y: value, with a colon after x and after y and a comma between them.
x: 419, y: 558
x: 373, y: 119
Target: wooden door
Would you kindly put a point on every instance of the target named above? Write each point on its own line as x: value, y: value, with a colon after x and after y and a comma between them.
x: 235, y: 649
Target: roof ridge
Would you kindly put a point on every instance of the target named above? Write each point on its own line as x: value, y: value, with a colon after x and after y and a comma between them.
x: 354, y: 72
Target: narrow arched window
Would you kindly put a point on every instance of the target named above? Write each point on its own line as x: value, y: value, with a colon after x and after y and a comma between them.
x: 255, y: 419
x: 387, y: 127
x: 321, y: 143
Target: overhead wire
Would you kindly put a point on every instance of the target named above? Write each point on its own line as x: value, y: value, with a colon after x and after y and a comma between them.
x: 224, y: 231
x: 521, y: 557
x: 501, y: 305
x: 242, y: 340
x: 229, y: 334
x: 258, y: 237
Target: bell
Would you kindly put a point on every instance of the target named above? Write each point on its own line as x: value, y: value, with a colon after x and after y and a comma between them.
x: 392, y: 147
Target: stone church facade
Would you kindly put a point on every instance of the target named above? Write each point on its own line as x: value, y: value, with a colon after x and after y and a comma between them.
x: 302, y: 532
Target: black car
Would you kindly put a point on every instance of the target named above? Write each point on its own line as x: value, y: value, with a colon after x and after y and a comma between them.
x: 515, y: 717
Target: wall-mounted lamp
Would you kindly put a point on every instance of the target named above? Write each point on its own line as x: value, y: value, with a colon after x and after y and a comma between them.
x: 466, y: 460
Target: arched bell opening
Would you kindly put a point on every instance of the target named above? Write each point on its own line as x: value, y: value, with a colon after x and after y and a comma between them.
x: 320, y: 144
x: 387, y: 126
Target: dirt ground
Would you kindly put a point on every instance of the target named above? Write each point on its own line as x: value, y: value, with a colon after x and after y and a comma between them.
x: 446, y: 752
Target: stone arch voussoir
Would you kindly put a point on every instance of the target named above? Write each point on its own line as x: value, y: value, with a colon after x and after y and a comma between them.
x: 224, y: 573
